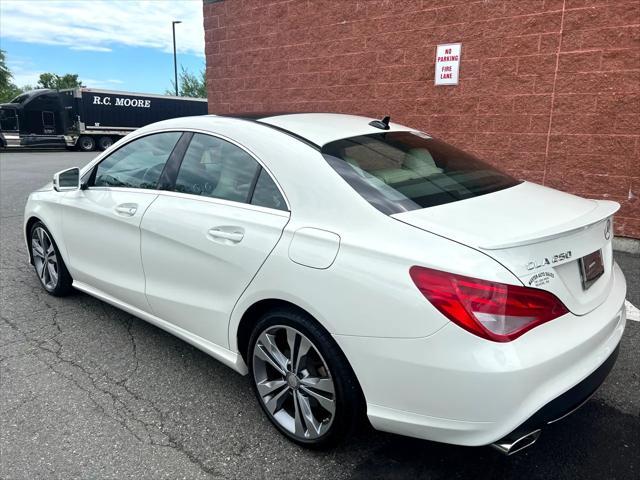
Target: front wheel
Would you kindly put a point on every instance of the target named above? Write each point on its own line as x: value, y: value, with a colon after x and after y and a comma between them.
x: 302, y: 380
x: 50, y: 268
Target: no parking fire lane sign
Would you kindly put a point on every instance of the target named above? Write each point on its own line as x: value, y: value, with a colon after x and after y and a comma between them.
x: 447, y: 63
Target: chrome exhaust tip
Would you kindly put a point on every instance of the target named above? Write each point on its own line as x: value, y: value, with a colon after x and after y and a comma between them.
x: 510, y: 445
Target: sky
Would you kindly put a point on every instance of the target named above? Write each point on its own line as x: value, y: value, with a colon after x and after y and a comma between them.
x: 114, y: 44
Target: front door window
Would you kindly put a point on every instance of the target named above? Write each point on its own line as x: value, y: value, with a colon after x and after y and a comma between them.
x: 8, y: 120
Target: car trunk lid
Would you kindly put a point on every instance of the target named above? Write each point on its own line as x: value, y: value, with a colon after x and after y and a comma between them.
x: 538, y: 233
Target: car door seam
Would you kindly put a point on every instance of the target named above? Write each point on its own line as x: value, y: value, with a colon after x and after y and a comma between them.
x: 144, y: 273
x: 251, y: 281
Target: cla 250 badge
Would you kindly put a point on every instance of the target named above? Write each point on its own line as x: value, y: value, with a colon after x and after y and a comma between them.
x: 560, y: 257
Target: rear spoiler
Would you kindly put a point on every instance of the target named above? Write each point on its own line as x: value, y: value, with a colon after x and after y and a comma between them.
x: 602, y: 210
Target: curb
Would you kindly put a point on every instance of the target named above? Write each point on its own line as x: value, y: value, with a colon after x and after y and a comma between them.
x: 632, y: 311
x: 626, y: 245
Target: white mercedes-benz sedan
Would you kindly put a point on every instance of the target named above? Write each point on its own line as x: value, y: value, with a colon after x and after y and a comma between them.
x: 353, y: 268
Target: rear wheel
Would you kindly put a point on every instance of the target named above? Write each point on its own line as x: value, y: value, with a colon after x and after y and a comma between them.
x: 86, y: 143
x: 105, y: 142
x: 49, y: 266
x: 302, y: 380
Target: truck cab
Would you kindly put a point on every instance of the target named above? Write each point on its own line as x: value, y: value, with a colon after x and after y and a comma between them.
x: 85, y: 118
x: 33, y: 119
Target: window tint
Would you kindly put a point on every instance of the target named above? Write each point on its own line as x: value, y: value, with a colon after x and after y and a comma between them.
x: 267, y: 194
x: 138, y: 164
x: 48, y: 120
x: 216, y: 168
x: 20, y: 98
x: 401, y: 171
x: 8, y: 119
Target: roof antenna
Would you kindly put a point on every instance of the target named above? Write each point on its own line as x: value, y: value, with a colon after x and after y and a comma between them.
x: 381, y: 124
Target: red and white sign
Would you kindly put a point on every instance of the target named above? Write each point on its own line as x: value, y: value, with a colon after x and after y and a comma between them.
x: 447, y: 63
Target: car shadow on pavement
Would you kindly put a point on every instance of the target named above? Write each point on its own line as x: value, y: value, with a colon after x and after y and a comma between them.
x: 597, y: 441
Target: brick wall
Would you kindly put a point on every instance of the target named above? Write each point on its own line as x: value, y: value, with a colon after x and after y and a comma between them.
x: 549, y: 89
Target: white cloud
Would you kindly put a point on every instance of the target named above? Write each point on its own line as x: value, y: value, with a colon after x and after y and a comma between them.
x: 95, y: 83
x: 23, y: 71
x: 25, y: 77
x: 100, y: 25
x: 91, y: 48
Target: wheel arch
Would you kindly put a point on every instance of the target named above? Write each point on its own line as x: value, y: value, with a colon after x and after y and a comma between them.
x: 27, y: 233
x: 252, y: 314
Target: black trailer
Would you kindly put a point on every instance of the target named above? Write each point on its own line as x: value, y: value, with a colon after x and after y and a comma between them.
x: 85, y: 118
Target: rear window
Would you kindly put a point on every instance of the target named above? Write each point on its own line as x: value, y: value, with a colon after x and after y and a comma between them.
x: 401, y: 171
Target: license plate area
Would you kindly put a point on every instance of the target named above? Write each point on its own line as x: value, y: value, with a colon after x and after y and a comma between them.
x: 591, y: 268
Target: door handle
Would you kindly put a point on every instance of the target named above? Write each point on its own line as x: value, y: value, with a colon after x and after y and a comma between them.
x: 127, y: 209
x: 232, y: 234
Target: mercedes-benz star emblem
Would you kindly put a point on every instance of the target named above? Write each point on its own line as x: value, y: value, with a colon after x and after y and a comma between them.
x: 607, y: 229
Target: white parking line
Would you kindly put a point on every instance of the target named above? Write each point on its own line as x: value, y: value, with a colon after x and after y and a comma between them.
x: 632, y: 312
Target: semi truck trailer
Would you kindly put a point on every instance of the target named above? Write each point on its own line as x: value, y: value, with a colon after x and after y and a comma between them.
x: 85, y: 118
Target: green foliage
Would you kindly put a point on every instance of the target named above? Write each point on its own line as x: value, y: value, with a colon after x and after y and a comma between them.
x: 5, y: 74
x: 51, y: 80
x: 189, y: 84
x: 8, y: 90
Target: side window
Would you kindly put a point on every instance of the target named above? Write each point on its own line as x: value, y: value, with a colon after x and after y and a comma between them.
x: 48, y: 120
x: 213, y: 167
x: 138, y: 164
x: 266, y: 193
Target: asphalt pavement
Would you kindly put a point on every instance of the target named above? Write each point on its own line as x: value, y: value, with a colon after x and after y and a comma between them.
x: 88, y: 391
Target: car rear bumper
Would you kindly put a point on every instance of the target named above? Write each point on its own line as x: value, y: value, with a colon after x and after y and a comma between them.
x: 457, y: 388
x: 570, y: 401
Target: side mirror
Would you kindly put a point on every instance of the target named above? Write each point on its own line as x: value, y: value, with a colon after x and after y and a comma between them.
x: 67, y: 180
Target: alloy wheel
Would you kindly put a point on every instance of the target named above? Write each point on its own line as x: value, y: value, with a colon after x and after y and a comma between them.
x: 44, y: 258
x: 294, y: 382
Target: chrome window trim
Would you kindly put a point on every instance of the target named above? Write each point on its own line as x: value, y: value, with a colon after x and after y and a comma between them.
x: 130, y: 138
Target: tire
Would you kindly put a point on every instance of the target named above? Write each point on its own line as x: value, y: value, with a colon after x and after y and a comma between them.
x: 86, y: 144
x: 105, y: 142
x: 281, y: 381
x: 48, y: 263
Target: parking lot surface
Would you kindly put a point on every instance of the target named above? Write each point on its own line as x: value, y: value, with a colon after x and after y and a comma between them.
x: 88, y: 391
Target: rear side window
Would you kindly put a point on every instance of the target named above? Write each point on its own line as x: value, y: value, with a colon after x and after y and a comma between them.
x: 138, y: 164
x: 213, y: 167
x: 402, y: 171
x: 266, y: 193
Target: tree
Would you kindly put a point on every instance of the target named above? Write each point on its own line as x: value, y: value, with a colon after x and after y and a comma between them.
x: 57, y: 82
x: 8, y: 90
x: 190, y: 85
x: 5, y: 74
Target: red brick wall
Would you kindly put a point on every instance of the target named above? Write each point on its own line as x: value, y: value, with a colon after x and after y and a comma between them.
x: 549, y: 89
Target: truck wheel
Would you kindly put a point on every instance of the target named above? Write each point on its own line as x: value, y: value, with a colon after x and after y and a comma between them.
x: 86, y: 144
x: 105, y: 142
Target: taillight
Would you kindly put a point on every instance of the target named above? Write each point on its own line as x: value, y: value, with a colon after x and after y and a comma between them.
x: 495, y: 311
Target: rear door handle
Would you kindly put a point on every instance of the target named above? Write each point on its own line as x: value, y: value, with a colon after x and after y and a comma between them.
x: 231, y: 234
x: 127, y: 209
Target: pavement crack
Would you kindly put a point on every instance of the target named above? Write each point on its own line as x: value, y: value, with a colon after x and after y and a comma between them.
x: 134, y: 347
